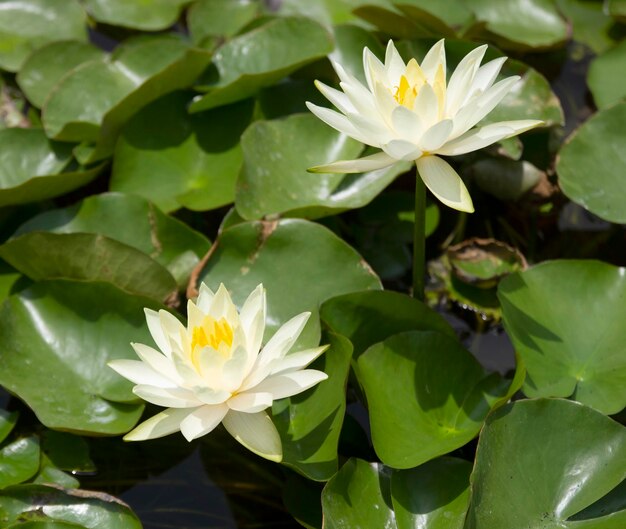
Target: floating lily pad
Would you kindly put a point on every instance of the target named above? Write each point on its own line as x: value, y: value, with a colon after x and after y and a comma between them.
x: 505, y: 179
x: 19, y: 461
x: 8, y: 277
x: 604, y: 75
x: 89, y: 257
x: 582, y: 460
x: 274, y: 179
x: 444, y: 18
x: 209, y: 19
x: 436, y: 403
x: 193, y: 162
x: 565, y: 320
x: 132, y: 221
x: 591, y: 24
x: 327, y: 12
x: 94, y: 100
x: 7, y: 423
x: 310, y: 423
x: 592, y: 165
x: 262, y: 57
x: 46, y: 66
x: 147, y: 15
x: 388, y: 18
x: 67, y: 331
x: 349, y: 44
x: 60, y: 509
x: 300, y: 263
x: 26, y: 25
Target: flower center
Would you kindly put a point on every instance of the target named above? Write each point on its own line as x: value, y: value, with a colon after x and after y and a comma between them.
x: 212, y: 333
x: 413, y: 80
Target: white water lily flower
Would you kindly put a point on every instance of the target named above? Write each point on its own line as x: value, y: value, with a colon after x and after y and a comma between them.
x: 214, y: 371
x: 412, y: 114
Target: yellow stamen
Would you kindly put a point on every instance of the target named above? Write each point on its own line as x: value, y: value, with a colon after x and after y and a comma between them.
x: 410, y: 84
x: 210, y: 333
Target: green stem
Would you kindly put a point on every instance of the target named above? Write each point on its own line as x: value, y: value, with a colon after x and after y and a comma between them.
x: 419, y: 240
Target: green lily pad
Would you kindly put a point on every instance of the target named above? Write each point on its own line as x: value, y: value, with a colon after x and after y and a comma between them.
x: 565, y: 320
x: 67, y: 452
x: 592, y: 165
x: 349, y: 43
x: 434, y: 495
x: 19, y: 461
x: 89, y: 257
x: 262, y: 57
x: 209, y: 19
x: 67, y: 332
x: 366, y: 318
x: 359, y: 496
x: 439, y: 19
x: 300, y: 263
x: 505, y: 179
x: 581, y: 459
x: 34, y: 168
x: 94, y: 100
x: 147, y: 15
x: 436, y: 403
x: 26, y: 25
x: 8, y: 278
x: 617, y: 9
x: 64, y: 508
x: 193, y: 162
x: 310, y: 423
x: 274, y: 179
x: 591, y: 25
x: 133, y: 221
x: 604, y: 75
x: 327, y: 12
x: 521, y: 24
x: 47, y: 65
x: 7, y: 423
x: 388, y: 18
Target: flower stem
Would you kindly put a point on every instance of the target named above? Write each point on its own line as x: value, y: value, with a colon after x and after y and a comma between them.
x: 419, y: 239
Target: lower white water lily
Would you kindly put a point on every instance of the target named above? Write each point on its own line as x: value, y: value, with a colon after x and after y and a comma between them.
x: 413, y: 113
x: 214, y: 371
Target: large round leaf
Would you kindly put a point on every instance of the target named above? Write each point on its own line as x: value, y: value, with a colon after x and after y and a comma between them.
x: 19, y: 461
x: 301, y: 264
x: 605, y: 73
x: 277, y: 155
x: 193, y: 162
x: 132, y: 221
x: 592, y: 165
x: 147, y: 15
x: 366, y: 318
x: 566, y: 320
x: 591, y: 24
x: 31, y: 167
x: 359, y: 497
x: 94, y: 100
x: 261, y: 57
x: 56, y: 338
x: 25, y: 25
x: 46, y: 66
x: 310, y: 423
x: 426, y: 396
x: 89, y: 257
x: 434, y: 495
x: 210, y: 19
x: 81, y: 508
x: 540, y: 463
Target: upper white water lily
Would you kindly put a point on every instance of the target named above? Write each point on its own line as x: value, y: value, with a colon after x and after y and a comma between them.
x: 411, y: 113
x: 214, y: 371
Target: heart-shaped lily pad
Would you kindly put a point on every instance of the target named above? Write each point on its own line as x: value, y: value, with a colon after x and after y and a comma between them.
x: 26, y: 25
x: 261, y: 57
x: 581, y: 460
x: 300, y: 263
x: 437, y: 402
x: 566, y: 321
x: 147, y: 15
x: 63, y: 333
x: 274, y: 179
x: 605, y: 73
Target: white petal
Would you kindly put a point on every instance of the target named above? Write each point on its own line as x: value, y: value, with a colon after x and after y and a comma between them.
x: 289, y: 384
x: 250, y: 402
x: 194, y: 315
x: 140, y: 373
x: 160, y: 425
x: 283, y: 339
x: 212, y: 396
x: 256, y: 432
x: 482, y: 137
x: 435, y: 56
x: 406, y: 123
x: 173, y: 329
x: 335, y: 120
x: 444, y: 183
x: 487, y: 74
x: 233, y: 370
x: 157, y: 361
x: 202, y: 421
x: 394, y: 65
x: 337, y: 98
x: 222, y: 306
x: 385, y: 103
x: 360, y: 97
x: 436, y: 135
x: 154, y: 326
x: 372, y: 130
x: 426, y: 106
x: 462, y: 78
x: 402, y: 150
x: 252, y: 319
x: 374, y: 69
x: 297, y: 360
x: 205, y: 297
x: 380, y: 160
x: 167, y: 397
